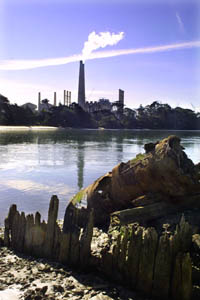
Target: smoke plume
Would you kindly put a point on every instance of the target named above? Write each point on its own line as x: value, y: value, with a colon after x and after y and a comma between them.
x: 101, y: 40
x: 32, y: 64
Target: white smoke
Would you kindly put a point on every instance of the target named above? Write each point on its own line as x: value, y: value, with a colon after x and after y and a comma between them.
x: 32, y: 64
x: 101, y: 40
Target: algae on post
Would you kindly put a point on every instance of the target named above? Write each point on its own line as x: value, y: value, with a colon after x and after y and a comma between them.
x: 137, y: 158
x: 81, y: 195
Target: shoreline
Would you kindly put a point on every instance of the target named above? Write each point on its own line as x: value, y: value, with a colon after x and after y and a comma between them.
x: 54, y: 128
x: 27, y: 128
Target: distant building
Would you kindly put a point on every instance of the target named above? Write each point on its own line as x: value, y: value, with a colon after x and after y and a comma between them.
x: 29, y: 105
x: 105, y: 104
x: 101, y: 105
x: 44, y: 105
x: 118, y: 106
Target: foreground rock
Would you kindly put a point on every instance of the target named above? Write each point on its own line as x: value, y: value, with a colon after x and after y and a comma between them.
x: 163, y: 174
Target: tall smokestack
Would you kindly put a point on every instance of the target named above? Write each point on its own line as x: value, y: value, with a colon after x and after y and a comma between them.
x: 121, y: 101
x: 67, y: 98
x: 121, y: 96
x: 39, y: 101
x: 70, y: 97
x: 81, y: 86
x: 64, y: 98
x: 54, y: 98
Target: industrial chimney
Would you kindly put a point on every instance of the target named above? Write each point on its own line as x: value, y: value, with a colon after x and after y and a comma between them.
x: 39, y: 101
x: 121, y: 97
x: 121, y: 101
x: 81, y: 86
x: 54, y: 98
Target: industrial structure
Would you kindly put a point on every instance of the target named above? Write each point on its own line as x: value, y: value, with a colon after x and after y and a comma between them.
x: 67, y: 98
x: 88, y: 106
x: 101, y: 105
x: 44, y: 105
x: 81, y: 86
x: 119, y: 104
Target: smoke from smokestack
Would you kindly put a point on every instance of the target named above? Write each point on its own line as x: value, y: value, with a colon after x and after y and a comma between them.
x: 32, y: 64
x: 101, y: 40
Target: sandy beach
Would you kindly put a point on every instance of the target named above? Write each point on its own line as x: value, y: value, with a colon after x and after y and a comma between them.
x: 27, y: 128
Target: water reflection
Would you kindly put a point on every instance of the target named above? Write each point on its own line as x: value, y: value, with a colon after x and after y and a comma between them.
x: 80, y: 163
x: 106, y: 136
x: 35, y: 165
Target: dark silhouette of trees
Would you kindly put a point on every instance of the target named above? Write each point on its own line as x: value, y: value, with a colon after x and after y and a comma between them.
x: 12, y: 114
x: 162, y: 116
x: 154, y: 116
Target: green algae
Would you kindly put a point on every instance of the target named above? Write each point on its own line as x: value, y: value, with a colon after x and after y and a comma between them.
x: 79, y: 197
x: 138, y: 157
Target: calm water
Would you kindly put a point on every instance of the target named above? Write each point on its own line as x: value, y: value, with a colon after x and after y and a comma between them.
x: 36, y: 165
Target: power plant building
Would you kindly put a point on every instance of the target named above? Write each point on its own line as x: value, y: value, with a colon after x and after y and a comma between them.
x: 88, y: 106
x: 101, y: 105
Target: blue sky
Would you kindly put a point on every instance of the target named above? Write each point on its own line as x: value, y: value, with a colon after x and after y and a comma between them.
x: 32, y: 30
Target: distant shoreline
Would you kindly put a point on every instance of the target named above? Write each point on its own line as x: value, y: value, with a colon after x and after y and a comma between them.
x: 54, y: 128
x: 28, y: 128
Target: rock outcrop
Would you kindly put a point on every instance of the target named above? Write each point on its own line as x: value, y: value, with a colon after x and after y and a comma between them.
x: 164, y: 174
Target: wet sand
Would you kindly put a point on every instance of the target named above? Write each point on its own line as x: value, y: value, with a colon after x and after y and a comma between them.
x: 35, y: 128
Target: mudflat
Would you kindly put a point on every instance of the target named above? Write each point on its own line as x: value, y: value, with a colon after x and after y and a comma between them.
x: 23, y: 277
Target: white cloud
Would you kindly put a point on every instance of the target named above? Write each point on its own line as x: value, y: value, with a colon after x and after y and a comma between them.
x: 31, y: 64
x: 180, y: 22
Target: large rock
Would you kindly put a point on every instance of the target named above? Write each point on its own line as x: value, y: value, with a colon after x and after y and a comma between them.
x: 164, y: 173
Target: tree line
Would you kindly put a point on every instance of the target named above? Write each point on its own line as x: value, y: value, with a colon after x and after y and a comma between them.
x: 153, y: 116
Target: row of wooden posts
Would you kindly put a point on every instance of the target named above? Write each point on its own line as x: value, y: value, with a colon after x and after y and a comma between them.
x: 155, y: 265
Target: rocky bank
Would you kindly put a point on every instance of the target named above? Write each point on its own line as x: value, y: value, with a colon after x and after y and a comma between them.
x: 27, y: 278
